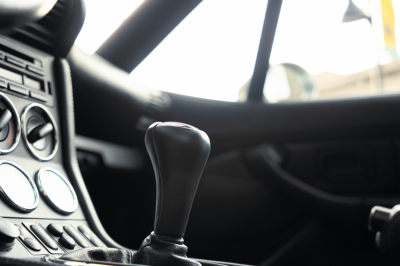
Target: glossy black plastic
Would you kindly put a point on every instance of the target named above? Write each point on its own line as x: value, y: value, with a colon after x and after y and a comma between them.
x: 46, y: 239
x: 77, y: 236
x: 55, y: 229
x: 67, y: 241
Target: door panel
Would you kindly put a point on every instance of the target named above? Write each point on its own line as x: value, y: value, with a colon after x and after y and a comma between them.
x: 235, y: 213
x: 346, y: 167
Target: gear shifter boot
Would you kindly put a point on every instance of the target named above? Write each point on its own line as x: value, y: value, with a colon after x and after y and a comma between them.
x: 101, y: 254
x: 156, y: 251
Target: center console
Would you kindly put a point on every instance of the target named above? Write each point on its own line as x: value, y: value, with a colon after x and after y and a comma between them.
x: 37, y: 198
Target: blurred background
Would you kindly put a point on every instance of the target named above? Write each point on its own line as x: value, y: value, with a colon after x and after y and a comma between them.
x: 322, y: 49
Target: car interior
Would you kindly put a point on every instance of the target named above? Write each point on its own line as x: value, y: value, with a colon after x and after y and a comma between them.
x: 201, y: 132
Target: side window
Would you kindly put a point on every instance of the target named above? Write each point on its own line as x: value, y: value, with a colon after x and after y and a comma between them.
x: 334, y: 49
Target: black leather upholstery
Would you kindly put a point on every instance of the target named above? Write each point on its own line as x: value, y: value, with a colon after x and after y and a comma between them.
x: 155, y: 251
x: 101, y: 254
x: 179, y: 153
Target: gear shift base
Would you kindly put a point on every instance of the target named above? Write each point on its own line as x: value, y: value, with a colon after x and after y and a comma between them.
x: 179, y: 153
x: 157, y: 251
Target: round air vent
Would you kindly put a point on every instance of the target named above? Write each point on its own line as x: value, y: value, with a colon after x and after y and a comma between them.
x: 56, y: 190
x: 39, y: 131
x: 10, y: 125
x: 17, y: 188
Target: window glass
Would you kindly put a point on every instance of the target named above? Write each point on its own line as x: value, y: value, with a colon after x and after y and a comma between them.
x: 103, y: 17
x: 334, y: 49
x: 210, y: 54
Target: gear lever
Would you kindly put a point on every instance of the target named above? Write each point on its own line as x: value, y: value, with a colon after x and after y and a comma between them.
x: 179, y: 153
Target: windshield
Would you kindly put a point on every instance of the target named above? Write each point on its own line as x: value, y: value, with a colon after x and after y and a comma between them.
x: 102, y: 19
x: 320, y: 51
x: 210, y: 54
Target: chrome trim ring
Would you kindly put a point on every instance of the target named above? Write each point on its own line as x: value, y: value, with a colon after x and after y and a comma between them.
x: 25, y: 134
x: 46, y: 196
x: 4, y: 195
x: 15, y: 116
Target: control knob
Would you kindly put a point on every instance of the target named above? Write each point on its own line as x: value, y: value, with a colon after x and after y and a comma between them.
x: 8, y: 233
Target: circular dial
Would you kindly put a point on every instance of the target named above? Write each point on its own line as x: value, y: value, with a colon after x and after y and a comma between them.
x: 56, y: 190
x: 10, y: 125
x: 17, y: 188
x: 39, y: 131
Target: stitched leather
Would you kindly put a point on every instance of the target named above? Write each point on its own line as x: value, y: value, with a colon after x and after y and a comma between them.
x: 6, y: 261
x: 101, y: 254
x: 157, y: 252
x: 153, y: 251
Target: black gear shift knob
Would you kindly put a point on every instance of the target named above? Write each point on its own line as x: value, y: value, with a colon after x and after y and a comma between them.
x: 179, y: 153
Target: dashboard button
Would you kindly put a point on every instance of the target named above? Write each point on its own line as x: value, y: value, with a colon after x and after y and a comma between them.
x: 8, y: 233
x: 27, y: 238
x: 5, y: 73
x: 77, y: 236
x: 96, y: 241
x: 91, y: 236
x: 85, y: 230
x: 55, y: 229
x: 34, y: 70
x: 14, y: 61
x: 3, y: 84
x: 31, y: 243
x: 18, y: 89
x: 33, y: 83
x: 67, y: 241
x: 46, y: 239
x: 22, y: 230
x: 38, y: 96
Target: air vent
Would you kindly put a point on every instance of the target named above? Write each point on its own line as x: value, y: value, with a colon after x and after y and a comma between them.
x: 55, y: 32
